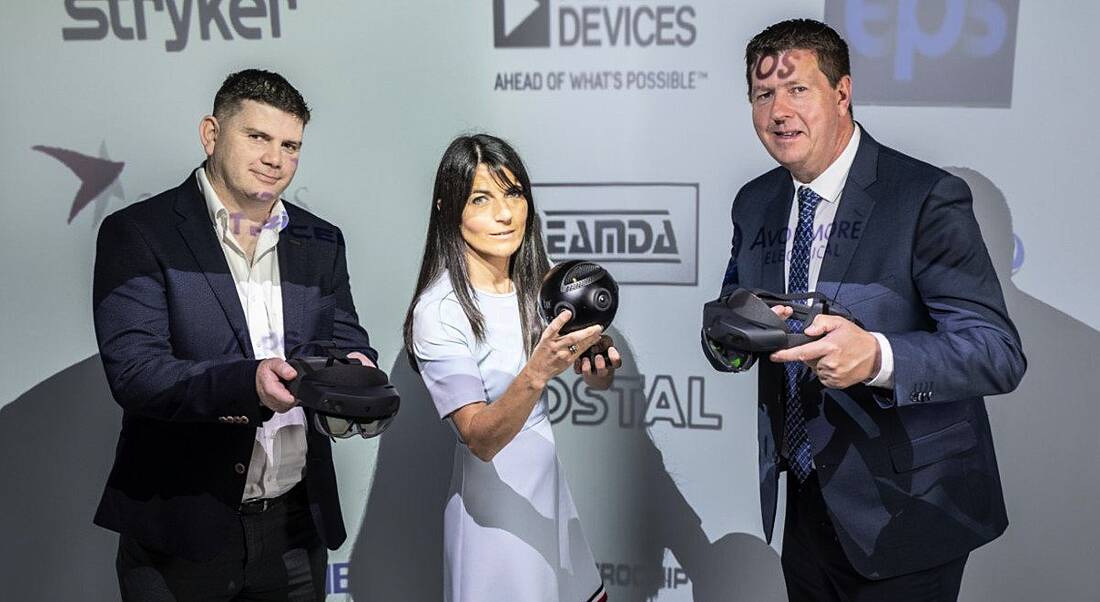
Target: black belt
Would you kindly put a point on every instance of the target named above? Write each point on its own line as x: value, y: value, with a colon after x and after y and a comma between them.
x: 264, y: 504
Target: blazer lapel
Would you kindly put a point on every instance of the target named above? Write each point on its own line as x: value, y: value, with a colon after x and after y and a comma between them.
x: 777, y: 215
x: 198, y: 233
x: 854, y: 211
x: 293, y: 268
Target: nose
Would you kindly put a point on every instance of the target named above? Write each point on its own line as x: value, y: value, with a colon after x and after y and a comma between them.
x: 272, y: 155
x: 781, y: 108
x: 502, y: 212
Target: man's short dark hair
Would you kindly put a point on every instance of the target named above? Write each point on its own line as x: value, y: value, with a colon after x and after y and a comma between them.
x: 803, y: 34
x: 262, y: 86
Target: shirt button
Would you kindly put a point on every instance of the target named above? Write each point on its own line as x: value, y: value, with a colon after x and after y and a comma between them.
x: 239, y: 468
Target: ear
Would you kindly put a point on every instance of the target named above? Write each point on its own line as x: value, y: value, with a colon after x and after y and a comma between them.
x: 844, y: 92
x: 208, y: 133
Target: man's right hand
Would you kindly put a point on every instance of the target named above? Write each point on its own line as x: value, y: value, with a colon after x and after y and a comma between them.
x: 783, y: 311
x: 273, y: 393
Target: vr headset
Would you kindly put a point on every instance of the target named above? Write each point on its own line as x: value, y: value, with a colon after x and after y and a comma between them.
x: 740, y: 326
x: 347, y: 398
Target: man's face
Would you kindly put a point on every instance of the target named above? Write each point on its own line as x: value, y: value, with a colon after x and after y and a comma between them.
x: 253, y: 153
x: 801, y: 119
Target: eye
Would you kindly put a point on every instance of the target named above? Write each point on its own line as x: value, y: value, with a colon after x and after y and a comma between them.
x: 763, y: 96
x: 290, y: 148
x: 799, y: 89
x: 479, y: 200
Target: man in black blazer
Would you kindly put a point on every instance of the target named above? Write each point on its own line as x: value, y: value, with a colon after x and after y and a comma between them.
x: 221, y: 488
x: 882, y: 428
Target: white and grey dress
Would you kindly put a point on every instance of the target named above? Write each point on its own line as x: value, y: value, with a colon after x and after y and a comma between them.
x: 510, y: 527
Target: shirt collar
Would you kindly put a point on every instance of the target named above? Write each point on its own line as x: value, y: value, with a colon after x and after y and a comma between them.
x: 219, y: 215
x: 830, y: 183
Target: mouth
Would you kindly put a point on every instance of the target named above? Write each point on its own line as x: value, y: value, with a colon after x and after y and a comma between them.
x: 504, y: 234
x: 266, y: 179
x: 787, y: 135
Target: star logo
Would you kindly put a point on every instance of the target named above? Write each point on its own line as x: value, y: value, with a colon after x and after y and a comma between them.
x: 98, y: 178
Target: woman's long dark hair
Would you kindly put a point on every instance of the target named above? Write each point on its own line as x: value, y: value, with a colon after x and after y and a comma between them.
x: 445, y: 248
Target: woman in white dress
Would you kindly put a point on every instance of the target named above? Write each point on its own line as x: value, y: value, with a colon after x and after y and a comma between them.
x: 511, y: 531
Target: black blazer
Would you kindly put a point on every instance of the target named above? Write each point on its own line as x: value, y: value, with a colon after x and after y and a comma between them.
x: 176, y: 349
x: 908, y: 475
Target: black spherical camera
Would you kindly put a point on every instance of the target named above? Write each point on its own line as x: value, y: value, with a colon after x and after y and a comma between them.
x: 585, y: 289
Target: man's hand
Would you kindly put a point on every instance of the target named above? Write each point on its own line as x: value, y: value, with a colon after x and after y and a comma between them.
x: 845, y: 356
x: 363, y: 359
x: 273, y: 393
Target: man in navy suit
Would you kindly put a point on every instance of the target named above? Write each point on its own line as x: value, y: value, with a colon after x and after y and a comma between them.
x: 221, y: 489
x: 882, y: 428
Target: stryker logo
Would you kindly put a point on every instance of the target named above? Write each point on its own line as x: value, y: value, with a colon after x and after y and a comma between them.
x: 630, y: 404
x: 96, y: 174
x: 528, y: 24
x: 245, y: 17
x: 645, y: 233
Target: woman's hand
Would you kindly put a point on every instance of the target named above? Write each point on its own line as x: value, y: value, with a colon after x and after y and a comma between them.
x: 555, y: 352
x: 600, y: 375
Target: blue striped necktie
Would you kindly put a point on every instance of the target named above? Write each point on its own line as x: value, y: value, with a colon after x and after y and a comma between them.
x: 797, y: 442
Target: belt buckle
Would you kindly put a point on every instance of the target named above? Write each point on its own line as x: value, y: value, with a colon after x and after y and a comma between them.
x: 255, y: 506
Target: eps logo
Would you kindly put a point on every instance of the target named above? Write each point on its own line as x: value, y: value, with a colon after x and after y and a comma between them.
x: 929, y: 52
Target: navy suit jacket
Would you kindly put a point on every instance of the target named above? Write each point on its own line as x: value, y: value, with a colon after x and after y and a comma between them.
x: 908, y: 475
x: 176, y: 349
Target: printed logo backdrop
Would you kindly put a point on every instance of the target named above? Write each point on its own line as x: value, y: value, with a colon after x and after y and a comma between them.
x: 632, y: 118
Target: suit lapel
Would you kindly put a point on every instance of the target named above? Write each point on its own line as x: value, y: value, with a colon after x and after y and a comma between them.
x: 854, y: 211
x: 198, y: 233
x: 293, y: 267
x: 777, y: 214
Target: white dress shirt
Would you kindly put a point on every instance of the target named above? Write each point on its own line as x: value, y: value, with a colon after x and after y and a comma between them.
x: 279, y: 452
x: 830, y: 187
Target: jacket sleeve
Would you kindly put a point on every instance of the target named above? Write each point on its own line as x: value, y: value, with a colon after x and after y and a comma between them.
x: 132, y: 327
x: 974, y: 349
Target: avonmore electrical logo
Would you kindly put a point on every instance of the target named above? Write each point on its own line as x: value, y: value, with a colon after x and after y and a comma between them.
x: 643, y: 233
x: 130, y: 19
x: 588, y: 23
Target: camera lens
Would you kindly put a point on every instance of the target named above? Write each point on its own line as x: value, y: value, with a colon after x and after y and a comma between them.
x: 602, y: 299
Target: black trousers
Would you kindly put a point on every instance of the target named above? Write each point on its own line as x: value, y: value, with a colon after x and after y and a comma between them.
x: 816, y: 568
x: 274, y: 555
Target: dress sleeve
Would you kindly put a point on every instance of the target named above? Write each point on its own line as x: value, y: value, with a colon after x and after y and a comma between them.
x: 443, y: 344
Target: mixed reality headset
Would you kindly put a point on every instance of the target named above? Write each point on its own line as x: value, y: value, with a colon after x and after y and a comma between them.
x: 741, y: 325
x: 346, y: 397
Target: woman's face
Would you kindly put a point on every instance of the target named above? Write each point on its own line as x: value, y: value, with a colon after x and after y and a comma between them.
x: 494, y: 219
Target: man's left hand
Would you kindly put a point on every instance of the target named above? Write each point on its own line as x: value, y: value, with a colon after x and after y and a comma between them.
x: 847, y: 355
x: 363, y: 359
